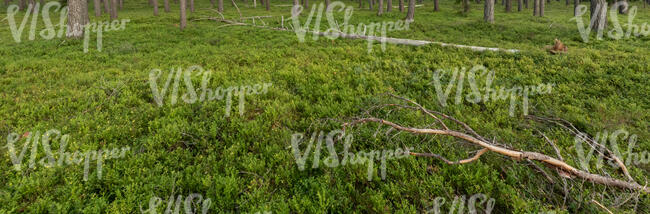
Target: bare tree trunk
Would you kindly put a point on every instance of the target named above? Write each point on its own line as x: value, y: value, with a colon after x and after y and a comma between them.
x: 268, y: 8
x: 155, y: 7
x: 508, y: 6
x: 598, y: 10
x: 575, y: 7
x: 380, y: 7
x: 107, y: 6
x: 623, y: 8
x: 191, y: 5
x: 465, y: 6
x: 360, y: 3
x: 389, y: 6
x: 166, y: 6
x: 183, y: 14
x: 519, y: 5
x: 220, y: 5
x: 306, y: 4
x: 401, y: 5
x: 435, y: 5
x: 76, y: 20
x: 370, y: 4
x: 98, y: 9
x: 536, y: 7
x: 121, y: 3
x: 542, y: 7
x: 410, y: 14
x: 22, y: 5
x: 526, y: 3
x: 567, y: 3
x: 488, y: 11
x: 113, y: 9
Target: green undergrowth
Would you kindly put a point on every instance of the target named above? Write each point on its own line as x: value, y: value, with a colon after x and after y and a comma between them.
x: 103, y: 99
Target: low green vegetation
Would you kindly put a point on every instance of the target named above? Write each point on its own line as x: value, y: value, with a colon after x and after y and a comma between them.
x: 103, y: 100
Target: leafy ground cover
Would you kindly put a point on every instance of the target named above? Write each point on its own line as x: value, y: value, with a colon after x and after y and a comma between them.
x: 244, y: 162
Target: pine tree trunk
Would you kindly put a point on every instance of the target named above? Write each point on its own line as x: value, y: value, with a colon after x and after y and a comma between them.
x: 598, y: 15
x: 401, y: 5
x: 380, y: 7
x: 121, y: 3
x: 220, y: 5
x: 488, y: 11
x: 623, y: 8
x: 113, y: 9
x: 519, y: 5
x: 166, y: 6
x: 435, y: 5
x: 465, y: 6
x: 535, y: 7
x: 542, y: 6
x: 526, y: 3
x: 107, y: 6
x: 155, y: 7
x: 268, y: 7
x: 98, y: 9
x: 192, y: 6
x: 508, y: 6
x: 370, y: 4
x: 389, y: 6
x: 183, y: 14
x: 410, y: 14
x: 76, y: 18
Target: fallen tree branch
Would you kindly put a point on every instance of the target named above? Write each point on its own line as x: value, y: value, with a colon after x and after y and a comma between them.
x: 390, y: 40
x: 512, y: 153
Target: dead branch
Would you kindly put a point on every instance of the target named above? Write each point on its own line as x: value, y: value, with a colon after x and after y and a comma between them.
x: 559, y: 165
x: 593, y: 143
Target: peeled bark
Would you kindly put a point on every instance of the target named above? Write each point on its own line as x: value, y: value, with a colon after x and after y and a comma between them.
x: 183, y: 14
x: 380, y: 7
x: 488, y: 11
x: 411, y: 11
x: 166, y: 6
x: 113, y: 9
x: 98, y: 9
x: 155, y: 7
x: 76, y: 20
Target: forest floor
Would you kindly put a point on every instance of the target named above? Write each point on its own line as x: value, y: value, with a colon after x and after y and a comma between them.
x: 244, y: 162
